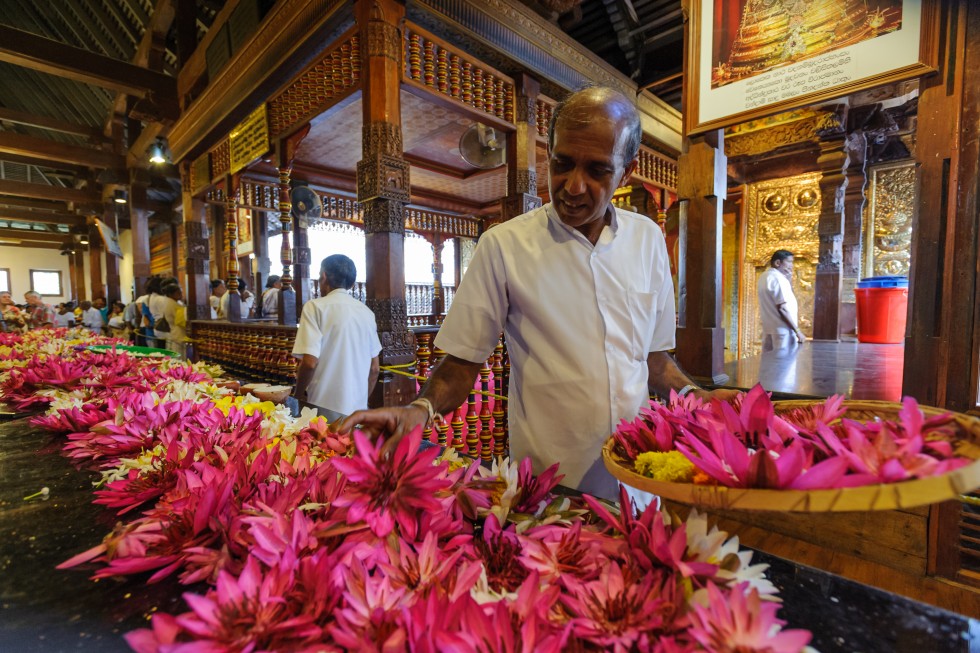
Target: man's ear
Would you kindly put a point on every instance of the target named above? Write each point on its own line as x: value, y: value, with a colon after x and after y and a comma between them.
x: 628, y: 172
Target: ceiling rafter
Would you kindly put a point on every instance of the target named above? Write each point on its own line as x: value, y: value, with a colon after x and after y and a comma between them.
x: 45, y: 55
x: 43, y: 192
x: 20, y: 215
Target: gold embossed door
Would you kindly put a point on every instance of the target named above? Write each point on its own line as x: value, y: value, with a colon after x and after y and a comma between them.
x: 779, y: 214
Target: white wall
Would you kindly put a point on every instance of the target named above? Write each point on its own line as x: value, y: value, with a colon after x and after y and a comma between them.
x: 20, y: 260
x: 126, y: 265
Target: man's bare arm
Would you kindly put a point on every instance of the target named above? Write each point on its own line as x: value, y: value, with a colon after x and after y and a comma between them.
x: 665, y: 375
x: 304, y: 374
x: 446, y: 389
x: 373, y: 375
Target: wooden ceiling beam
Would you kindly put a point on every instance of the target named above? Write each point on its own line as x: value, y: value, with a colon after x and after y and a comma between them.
x: 44, y: 192
x: 22, y: 145
x: 18, y: 202
x: 43, y: 163
x: 30, y: 234
x: 22, y: 215
x: 46, y: 55
x: 32, y: 245
x: 50, y: 124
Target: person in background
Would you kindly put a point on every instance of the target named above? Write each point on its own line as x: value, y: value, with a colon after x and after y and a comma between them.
x: 132, y: 317
x: 176, y: 336
x: 64, y: 318
x: 157, y: 303
x: 218, y: 289
x: 118, y: 327
x: 337, y: 342
x: 91, y: 318
x: 14, y: 319
x: 583, y: 293
x: 777, y: 303
x: 99, y: 303
x: 145, y: 336
x: 247, y: 301
x: 41, y: 314
x: 269, y: 305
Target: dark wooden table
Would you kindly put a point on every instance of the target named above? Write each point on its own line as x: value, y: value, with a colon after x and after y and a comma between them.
x: 820, y: 369
x: 44, y: 609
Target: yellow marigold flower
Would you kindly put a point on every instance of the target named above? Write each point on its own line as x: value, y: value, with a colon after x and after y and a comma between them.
x: 671, y: 466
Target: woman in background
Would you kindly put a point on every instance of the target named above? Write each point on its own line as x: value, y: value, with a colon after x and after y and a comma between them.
x: 173, y: 308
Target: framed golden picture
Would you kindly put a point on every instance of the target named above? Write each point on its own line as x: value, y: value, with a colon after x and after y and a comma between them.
x: 747, y: 59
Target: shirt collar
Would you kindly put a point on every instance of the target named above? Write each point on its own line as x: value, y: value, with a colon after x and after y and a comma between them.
x: 605, y: 236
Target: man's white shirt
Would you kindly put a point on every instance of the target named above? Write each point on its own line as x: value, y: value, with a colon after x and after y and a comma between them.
x: 579, y: 322
x: 343, y: 334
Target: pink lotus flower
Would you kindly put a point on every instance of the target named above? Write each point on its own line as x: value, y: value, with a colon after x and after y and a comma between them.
x: 739, y: 622
x: 500, y: 551
x: 623, y: 608
x: 651, y: 543
x: 390, y: 491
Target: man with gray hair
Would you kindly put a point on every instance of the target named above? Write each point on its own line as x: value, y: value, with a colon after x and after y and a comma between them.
x: 337, y: 342
x: 42, y: 315
x: 583, y: 294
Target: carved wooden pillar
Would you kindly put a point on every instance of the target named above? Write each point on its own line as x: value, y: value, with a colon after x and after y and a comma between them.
x: 701, y: 187
x: 197, y: 253
x: 301, y: 264
x: 832, y: 162
x: 383, y: 190
x: 857, y: 145
x: 941, y: 352
x: 287, y: 296
x: 140, y: 227
x: 234, y: 311
x: 522, y: 182
x: 438, y: 300
x: 95, y: 261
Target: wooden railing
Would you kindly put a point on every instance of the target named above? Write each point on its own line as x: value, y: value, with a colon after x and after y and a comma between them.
x: 257, y: 351
x: 418, y: 302
x: 254, y: 351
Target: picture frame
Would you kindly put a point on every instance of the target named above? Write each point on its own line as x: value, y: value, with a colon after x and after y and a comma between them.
x: 736, y: 71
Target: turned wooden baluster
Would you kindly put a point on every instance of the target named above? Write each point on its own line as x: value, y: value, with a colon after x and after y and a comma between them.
x: 486, y: 435
x: 441, y: 430
x: 498, y: 404
x: 472, y: 441
x: 457, y: 425
x: 422, y: 354
x: 504, y: 401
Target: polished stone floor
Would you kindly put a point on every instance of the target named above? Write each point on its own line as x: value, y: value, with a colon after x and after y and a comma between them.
x: 820, y: 369
x: 44, y: 609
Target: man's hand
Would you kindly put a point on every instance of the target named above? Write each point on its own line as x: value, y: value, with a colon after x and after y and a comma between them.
x: 800, y: 338
x: 721, y: 394
x: 394, y: 423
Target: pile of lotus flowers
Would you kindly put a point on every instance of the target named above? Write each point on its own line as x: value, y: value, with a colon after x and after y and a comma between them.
x: 745, y: 444
x: 309, y: 541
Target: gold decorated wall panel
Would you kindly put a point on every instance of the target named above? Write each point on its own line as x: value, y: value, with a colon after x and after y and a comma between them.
x: 779, y: 214
x: 888, y: 220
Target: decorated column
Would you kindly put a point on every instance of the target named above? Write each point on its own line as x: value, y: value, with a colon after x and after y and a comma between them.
x: 832, y: 162
x: 301, y: 268
x: 234, y: 311
x: 383, y: 190
x: 857, y: 145
x: 287, y: 296
x: 701, y: 188
x: 197, y: 263
x: 438, y: 299
x: 522, y: 175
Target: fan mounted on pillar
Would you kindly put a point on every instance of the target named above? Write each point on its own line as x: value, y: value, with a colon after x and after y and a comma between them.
x: 481, y: 147
x: 306, y: 205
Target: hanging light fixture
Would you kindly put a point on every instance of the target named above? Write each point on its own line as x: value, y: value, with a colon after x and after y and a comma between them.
x: 119, y: 197
x: 158, y: 152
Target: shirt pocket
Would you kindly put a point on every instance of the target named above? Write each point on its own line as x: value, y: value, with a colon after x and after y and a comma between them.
x: 643, y: 315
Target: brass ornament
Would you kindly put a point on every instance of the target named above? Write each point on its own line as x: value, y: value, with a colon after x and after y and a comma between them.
x: 888, y: 220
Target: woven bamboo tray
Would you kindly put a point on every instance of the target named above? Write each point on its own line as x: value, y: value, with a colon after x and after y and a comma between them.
x: 906, y: 494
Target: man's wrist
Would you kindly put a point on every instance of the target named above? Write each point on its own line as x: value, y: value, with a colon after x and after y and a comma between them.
x: 429, y: 409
